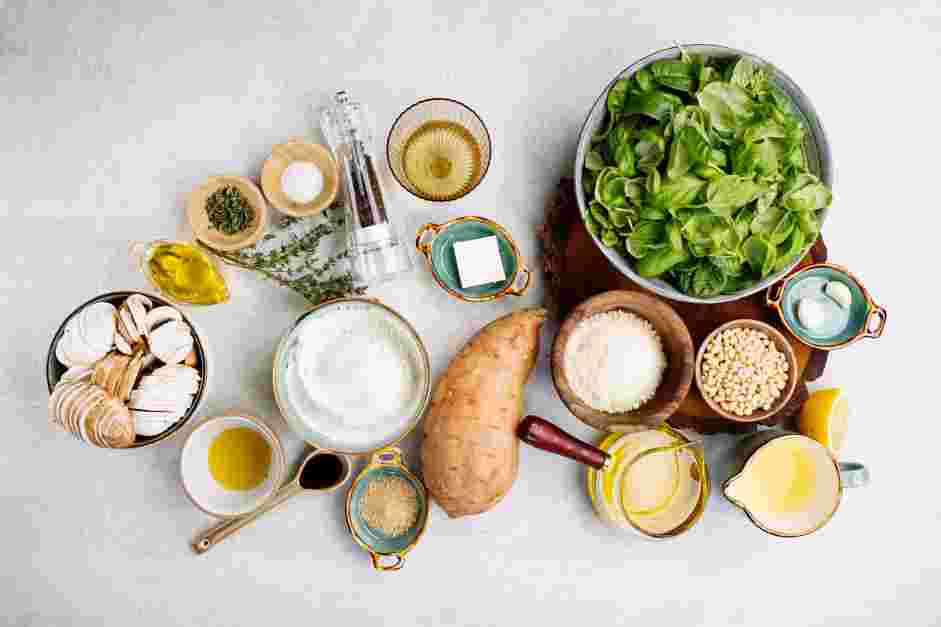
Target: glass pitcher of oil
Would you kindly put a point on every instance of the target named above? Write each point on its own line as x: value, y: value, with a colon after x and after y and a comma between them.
x: 655, y: 484
x: 181, y: 272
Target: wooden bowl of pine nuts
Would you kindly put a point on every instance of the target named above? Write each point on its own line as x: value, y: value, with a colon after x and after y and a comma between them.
x: 746, y: 370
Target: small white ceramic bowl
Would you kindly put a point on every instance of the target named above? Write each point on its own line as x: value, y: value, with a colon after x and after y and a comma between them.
x: 204, y: 491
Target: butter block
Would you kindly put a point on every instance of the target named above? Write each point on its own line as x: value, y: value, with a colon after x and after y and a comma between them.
x: 479, y: 261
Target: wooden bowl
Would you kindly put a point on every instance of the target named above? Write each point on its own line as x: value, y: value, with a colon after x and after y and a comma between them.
x: 782, y: 345
x: 199, y: 219
x: 284, y: 155
x: 677, y: 344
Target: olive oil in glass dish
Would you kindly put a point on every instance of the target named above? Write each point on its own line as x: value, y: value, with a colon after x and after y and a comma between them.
x: 439, y: 149
x: 181, y: 272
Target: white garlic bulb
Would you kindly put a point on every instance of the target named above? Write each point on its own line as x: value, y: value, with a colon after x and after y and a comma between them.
x: 839, y: 293
x: 811, y: 313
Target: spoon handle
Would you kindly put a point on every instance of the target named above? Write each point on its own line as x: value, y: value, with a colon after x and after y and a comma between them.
x: 226, y: 528
x: 544, y: 435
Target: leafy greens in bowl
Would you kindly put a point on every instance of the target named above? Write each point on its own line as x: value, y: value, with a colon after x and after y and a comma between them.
x: 703, y: 173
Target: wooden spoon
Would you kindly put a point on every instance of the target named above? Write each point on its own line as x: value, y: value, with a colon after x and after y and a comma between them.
x: 327, y: 473
x: 544, y: 435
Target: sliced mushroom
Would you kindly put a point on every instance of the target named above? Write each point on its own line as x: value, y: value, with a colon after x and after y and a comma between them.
x: 165, y: 400
x: 123, y: 333
x: 130, y: 375
x: 131, y: 332
x: 77, y: 373
x: 159, y: 315
x: 72, y: 350
x: 122, y: 344
x: 64, y: 358
x: 137, y: 305
x: 116, y: 375
x: 151, y: 423
x: 94, y: 328
x: 149, y: 360
x: 171, y: 341
x: 102, y: 370
x: 180, y: 386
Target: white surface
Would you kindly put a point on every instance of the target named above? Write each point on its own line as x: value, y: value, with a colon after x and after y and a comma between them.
x: 479, y: 261
x: 112, y: 113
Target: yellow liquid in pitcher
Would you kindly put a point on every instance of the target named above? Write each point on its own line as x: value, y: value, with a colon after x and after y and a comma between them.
x: 789, y: 485
x: 442, y: 160
x: 785, y: 478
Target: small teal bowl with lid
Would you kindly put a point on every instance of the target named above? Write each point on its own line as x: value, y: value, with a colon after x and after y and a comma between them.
x: 842, y: 325
x: 387, y: 551
x: 436, y: 242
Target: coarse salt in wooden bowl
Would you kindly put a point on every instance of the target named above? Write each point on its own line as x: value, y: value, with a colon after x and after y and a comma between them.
x: 199, y: 219
x: 782, y: 345
x: 677, y: 346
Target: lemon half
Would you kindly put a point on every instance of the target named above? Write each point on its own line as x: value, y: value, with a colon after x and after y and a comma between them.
x: 825, y: 418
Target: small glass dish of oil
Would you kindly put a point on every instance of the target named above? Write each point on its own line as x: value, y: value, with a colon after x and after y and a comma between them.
x: 181, y: 272
x: 439, y: 149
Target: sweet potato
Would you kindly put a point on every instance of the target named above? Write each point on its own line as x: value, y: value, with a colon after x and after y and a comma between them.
x: 470, y: 453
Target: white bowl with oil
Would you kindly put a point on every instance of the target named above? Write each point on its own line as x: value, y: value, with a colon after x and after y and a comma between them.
x: 209, y: 495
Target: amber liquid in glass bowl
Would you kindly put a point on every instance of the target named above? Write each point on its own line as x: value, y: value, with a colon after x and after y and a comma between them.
x: 442, y: 159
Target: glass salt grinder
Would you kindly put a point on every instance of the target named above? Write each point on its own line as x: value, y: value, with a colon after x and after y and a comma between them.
x: 375, y: 251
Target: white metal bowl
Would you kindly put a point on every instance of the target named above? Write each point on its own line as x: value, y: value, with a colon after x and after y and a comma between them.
x: 816, y: 149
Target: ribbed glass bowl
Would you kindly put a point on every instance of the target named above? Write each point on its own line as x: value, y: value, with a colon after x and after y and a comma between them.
x: 816, y: 149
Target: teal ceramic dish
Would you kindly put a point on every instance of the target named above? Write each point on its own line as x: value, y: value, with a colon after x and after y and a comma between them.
x: 387, y: 552
x: 843, y: 326
x: 436, y: 243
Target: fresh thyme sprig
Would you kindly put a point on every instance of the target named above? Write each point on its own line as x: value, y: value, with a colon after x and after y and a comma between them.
x: 294, y: 261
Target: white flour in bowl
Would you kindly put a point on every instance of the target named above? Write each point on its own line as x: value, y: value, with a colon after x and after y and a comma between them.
x: 352, y: 377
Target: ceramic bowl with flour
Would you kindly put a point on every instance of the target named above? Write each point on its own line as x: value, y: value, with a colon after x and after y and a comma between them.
x: 352, y: 376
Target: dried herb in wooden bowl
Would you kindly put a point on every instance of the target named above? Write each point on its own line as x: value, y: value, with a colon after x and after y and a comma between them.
x: 228, y: 210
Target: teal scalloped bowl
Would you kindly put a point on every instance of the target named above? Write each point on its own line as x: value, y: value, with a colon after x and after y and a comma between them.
x: 842, y: 325
x: 439, y: 252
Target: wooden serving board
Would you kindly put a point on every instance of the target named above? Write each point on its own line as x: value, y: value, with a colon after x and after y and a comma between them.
x: 576, y: 269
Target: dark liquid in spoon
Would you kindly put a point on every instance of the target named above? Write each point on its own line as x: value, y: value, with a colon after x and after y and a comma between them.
x: 322, y: 471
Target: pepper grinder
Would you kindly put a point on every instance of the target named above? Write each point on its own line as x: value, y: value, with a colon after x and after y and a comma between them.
x: 375, y: 251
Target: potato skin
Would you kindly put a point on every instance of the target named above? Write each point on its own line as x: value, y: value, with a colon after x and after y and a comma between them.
x: 470, y: 453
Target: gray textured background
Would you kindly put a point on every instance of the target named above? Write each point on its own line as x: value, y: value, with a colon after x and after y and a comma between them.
x: 111, y: 112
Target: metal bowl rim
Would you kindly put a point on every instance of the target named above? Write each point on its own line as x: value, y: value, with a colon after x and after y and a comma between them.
x: 808, y: 112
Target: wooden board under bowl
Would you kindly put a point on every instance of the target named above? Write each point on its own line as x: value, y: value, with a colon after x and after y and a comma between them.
x: 576, y: 270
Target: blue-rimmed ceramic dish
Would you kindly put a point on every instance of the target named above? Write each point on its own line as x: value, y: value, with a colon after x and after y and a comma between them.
x: 436, y: 243
x: 842, y: 326
x: 387, y: 552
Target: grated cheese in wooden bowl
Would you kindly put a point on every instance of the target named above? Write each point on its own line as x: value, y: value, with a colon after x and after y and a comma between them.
x: 614, y: 361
